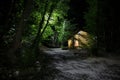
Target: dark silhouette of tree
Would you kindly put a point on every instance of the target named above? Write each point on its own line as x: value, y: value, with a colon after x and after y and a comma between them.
x: 19, y: 29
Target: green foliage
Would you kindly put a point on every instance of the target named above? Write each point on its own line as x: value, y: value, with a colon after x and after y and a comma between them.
x: 91, y: 25
x: 66, y: 31
x: 91, y: 16
x: 57, y: 19
x: 62, y: 11
x: 32, y: 25
x: 48, y: 32
x: 28, y: 56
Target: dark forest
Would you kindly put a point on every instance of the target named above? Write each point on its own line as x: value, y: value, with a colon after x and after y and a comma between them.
x: 58, y: 39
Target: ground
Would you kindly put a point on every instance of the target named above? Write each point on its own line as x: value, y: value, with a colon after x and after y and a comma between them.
x: 67, y: 66
x: 58, y: 64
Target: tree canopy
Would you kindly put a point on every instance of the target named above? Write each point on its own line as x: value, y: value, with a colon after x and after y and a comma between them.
x: 28, y: 25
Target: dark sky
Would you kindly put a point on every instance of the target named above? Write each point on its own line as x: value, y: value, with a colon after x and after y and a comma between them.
x: 4, y: 5
x: 4, y: 9
x: 76, y: 12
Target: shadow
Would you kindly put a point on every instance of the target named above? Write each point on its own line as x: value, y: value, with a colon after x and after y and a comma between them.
x: 47, y: 69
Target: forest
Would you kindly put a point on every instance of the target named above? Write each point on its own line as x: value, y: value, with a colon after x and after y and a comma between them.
x: 28, y: 28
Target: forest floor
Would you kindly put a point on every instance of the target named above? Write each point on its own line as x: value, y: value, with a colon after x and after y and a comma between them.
x: 58, y: 64
x: 65, y: 65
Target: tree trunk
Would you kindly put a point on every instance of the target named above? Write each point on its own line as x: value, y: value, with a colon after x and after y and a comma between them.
x: 39, y: 35
x: 50, y: 14
x: 36, y: 40
x: 19, y: 28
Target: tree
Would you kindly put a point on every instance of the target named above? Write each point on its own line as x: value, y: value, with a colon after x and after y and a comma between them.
x: 108, y: 25
x: 19, y: 28
x: 54, y: 8
x: 56, y: 22
x: 91, y: 24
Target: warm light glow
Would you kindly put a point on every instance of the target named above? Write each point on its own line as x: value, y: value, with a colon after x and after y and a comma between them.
x: 83, y: 40
x: 76, y: 43
x: 80, y: 38
x: 76, y: 36
x: 70, y: 43
x: 83, y: 33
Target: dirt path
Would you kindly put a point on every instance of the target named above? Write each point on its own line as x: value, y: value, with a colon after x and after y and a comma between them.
x: 71, y: 67
x: 57, y: 64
